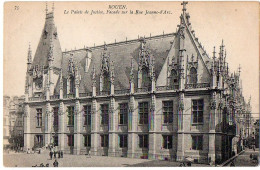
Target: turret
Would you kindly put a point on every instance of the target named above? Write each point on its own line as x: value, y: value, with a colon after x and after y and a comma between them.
x: 132, y: 88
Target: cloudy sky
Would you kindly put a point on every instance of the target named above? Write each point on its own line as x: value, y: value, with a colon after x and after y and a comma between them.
x: 235, y: 22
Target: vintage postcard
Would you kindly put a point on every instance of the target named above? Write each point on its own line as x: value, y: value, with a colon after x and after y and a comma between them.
x: 131, y: 84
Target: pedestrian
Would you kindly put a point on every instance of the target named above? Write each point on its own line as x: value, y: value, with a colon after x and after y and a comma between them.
x: 61, y: 154
x: 232, y: 164
x: 51, y: 153
x: 56, y: 163
x: 55, y: 154
x: 47, y: 165
x: 58, y: 154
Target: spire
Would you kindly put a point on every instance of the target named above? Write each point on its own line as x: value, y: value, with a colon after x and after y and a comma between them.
x: 132, y: 71
x: 29, y: 57
x: 184, y: 3
x: 50, y: 53
x: 48, y: 44
x: 239, y: 70
x: 46, y: 9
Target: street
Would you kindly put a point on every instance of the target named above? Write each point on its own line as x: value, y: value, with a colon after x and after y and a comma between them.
x: 29, y: 160
x: 244, y: 158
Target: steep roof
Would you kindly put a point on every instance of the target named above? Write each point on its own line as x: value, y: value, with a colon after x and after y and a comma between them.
x: 121, y: 54
x: 49, y: 33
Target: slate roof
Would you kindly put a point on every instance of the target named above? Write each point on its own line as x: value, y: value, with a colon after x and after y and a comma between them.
x: 41, y: 54
x: 121, y: 54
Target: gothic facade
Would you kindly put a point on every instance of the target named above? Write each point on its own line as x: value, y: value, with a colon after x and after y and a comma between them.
x: 157, y: 97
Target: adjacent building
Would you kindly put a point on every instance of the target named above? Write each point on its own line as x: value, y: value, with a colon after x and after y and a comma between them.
x: 157, y: 97
x: 13, y: 121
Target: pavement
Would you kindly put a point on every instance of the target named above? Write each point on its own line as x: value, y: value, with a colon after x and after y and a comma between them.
x: 29, y: 160
x: 244, y: 158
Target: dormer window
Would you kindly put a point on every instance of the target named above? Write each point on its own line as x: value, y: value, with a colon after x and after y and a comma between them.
x: 145, y: 78
x: 45, y: 34
x: 193, y: 76
x: 173, y: 79
x: 72, y: 84
x: 106, y: 82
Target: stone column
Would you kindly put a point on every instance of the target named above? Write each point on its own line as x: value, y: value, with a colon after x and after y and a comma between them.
x: 132, y: 127
x: 212, y: 128
x: 48, y: 123
x: 77, y: 127
x: 111, y: 127
x: 152, y: 135
x: 62, y: 124
x: 27, y: 127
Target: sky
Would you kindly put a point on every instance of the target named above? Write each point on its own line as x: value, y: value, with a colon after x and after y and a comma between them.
x: 234, y: 22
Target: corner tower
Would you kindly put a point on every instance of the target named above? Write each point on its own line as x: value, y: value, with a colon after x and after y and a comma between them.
x: 46, y: 64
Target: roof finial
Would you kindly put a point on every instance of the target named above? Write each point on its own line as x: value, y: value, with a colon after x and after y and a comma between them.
x: 29, y: 59
x: 46, y: 10
x: 184, y: 3
x: 214, y: 53
x: 239, y: 70
x: 53, y: 7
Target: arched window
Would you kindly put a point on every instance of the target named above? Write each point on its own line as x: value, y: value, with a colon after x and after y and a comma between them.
x: 145, y: 78
x: 106, y: 84
x: 72, y: 84
x: 193, y: 76
x: 173, y: 78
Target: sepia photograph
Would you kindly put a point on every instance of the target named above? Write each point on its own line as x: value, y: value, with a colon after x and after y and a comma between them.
x: 130, y: 84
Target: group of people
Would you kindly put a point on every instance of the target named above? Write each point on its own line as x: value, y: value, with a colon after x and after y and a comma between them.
x: 53, y: 154
x: 55, y: 164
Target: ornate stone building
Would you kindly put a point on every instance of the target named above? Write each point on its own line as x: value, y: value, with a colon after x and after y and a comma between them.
x: 157, y: 97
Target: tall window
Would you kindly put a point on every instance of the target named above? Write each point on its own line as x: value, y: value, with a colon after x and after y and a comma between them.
x: 87, y: 114
x: 87, y: 140
x: 167, y: 112
x: 56, y: 140
x: 197, y: 142
x: 123, y: 141
x: 104, y: 114
x: 123, y: 113
x: 104, y: 140
x: 193, y: 76
x: 72, y: 84
x: 143, y: 141
x: 70, y: 140
x: 56, y: 117
x: 173, y: 79
x: 39, y: 117
x: 38, y: 141
x: 106, y: 84
x: 167, y: 141
x: 143, y: 113
x: 145, y: 78
x: 197, y: 111
x: 70, y: 116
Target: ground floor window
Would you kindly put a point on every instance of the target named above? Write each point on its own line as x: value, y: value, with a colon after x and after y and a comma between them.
x: 104, y: 140
x: 70, y: 140
x: 123, y: 141
x: 38, y: 141
x: 197, y: 142
x: 87, y: 140
x: 56, y: 140
x: 167, y: 141
x: 143, y: 141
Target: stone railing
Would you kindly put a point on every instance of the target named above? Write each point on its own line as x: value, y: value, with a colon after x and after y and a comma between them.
x: 125, y: 91
x: 69, y: 96
x: 37, y: 98
x: 165, y: 88
x: 197, y: 85
x: 103, y: 93
x: 143, y: 89
x: 85, y: 94
x: 54, y: 97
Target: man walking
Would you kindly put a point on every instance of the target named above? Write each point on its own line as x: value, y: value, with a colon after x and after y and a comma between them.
x: 51, y: 153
